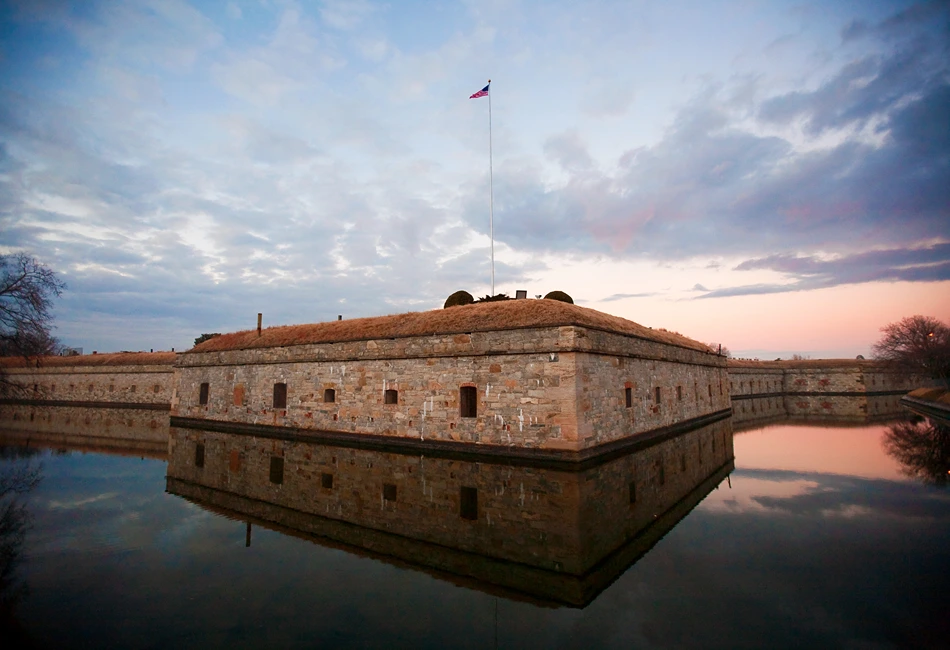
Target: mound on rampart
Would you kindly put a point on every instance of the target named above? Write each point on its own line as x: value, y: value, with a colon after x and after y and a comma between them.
x: 479, y: 317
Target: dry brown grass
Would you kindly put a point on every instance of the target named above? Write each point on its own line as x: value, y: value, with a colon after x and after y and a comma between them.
x: 480, y: 317
x: 804, y: 363
x: 931, y: 394
x: 113, y: 359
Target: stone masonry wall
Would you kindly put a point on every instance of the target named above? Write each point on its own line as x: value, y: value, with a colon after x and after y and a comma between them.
x: 815, y: 389
x: 526, y: 384
x: 686, y: 391
x: 115, y: 384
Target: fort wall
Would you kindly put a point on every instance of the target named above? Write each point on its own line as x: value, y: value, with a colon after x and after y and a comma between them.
x: 114, y: 397
x: 826, y: 389
x: 562, y: 388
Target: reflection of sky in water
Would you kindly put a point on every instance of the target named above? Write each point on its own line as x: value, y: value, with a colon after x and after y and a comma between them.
x: 854, y: 451
x: 789, y: 556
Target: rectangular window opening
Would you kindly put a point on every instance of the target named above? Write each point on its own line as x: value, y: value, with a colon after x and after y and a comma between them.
x: 391, y: 396
x: 679, y: 393
x: 203, y: 394
x: 326, y: 481
x: 468, y: 503
x: 235, y: 461
x: 280, y: 396
x: 329, y: 395
x: 628, y: 397
x: 656, y: 395
x: 468, y: 402
x: 389, y: 492
x: 276, y: 469
x: 199, y: 455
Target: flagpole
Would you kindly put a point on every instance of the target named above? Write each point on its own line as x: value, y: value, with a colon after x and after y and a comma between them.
x: 491, y: 197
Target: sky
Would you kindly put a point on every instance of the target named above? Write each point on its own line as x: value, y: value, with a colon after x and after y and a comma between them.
x: 773, y: 176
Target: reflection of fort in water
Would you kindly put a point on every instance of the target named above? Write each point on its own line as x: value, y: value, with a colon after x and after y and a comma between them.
x: 550, y: 532
x: 529, y: 447
x: 553, y: 535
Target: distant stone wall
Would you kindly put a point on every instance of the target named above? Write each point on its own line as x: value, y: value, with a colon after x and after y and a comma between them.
x: 554, y: 388
x: 93, y: 396
x: 94, y: 384
x: 819, y: 389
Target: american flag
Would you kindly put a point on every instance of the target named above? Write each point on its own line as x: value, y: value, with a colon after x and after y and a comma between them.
x: 481, y: 93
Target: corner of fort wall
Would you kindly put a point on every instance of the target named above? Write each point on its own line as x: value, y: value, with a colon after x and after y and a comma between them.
x: 557, y: 387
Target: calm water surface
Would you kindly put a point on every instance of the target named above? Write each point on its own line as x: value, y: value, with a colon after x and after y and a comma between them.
x: 819, y: 537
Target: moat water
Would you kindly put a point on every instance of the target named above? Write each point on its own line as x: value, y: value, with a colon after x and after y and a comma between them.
x: 815, y: 535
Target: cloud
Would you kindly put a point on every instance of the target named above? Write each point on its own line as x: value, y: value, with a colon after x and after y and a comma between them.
x: 927, y: 264
x: 624, y: 296
x: 870, y: 163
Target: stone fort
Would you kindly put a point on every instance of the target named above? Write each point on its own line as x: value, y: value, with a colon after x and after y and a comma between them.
x: 530, y: 378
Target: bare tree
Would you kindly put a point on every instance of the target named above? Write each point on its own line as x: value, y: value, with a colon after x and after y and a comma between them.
x: 27, y: 290
x: 922, y: 448
x: 918, y: 345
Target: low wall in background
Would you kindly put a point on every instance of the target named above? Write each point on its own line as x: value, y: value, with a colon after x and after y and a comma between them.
x: 850, y: 390
x: 115, y: 400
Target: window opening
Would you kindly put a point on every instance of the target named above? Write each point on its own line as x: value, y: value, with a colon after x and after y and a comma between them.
x: 468, y: 402
x: 329, y: 395
x: 389, y: 492
x: 391, y: 396
x: 203, y: 394
x: 280, y: 396
x: 628, y: 396
x: 199, y: 455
